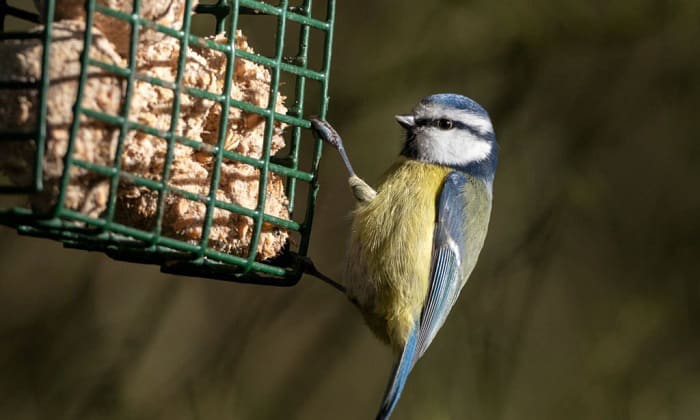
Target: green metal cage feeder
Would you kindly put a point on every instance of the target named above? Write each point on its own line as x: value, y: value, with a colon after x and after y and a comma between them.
x: 75, y: 229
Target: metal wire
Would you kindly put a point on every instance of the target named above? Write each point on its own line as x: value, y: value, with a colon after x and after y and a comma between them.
x: 77, y: 230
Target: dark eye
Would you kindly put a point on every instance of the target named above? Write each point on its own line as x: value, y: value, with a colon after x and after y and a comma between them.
x: 444, y: 124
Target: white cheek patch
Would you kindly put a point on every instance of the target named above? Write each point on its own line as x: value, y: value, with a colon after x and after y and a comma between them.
x: 452, y: 147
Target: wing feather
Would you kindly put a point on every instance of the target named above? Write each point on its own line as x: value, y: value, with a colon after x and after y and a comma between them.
x: 445, y: 285
x: 449, y: 241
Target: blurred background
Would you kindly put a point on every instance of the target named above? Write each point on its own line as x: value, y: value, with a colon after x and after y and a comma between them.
x: 585, y: 303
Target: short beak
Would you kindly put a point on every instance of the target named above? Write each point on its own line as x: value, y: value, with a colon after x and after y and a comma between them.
x: 406, y: 121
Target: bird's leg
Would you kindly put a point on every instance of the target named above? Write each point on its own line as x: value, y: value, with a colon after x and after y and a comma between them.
x: 360, y: 189
x: 330, y: 136
x: 311, y: 269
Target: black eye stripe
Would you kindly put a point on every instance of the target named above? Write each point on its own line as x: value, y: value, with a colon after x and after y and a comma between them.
x: 430, y: 122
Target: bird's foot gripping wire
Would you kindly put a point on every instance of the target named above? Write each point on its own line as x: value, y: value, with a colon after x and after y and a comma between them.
x: 330, y: 136
x: 360, y: 189
x: 309, y: 268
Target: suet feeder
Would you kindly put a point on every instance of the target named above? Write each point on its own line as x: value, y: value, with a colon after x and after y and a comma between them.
x: 126, y: 130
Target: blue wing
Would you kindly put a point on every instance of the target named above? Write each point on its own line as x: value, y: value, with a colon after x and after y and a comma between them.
x: 445, y: 285
x: 449, y: 241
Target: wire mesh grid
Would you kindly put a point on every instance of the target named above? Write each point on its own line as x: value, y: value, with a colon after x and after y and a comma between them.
x: 103, y: 233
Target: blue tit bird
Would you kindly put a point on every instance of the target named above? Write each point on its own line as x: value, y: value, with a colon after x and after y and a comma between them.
x: 416, y: 239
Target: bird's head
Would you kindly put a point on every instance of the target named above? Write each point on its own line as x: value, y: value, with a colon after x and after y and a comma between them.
x: 451, y: 130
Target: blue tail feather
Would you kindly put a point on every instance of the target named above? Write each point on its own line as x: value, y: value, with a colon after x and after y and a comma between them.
x: 400, y: 374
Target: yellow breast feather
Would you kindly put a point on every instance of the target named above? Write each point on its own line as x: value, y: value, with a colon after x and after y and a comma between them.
x: 391, y: 248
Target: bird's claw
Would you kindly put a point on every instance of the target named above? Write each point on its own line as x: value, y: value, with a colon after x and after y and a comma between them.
x: 327, y: 132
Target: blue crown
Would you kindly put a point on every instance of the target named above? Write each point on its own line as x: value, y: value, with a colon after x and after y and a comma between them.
x: 453, y: 100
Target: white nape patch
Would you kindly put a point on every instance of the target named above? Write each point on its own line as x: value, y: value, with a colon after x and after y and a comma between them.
x: 480, y: 123
x: 451, y: 147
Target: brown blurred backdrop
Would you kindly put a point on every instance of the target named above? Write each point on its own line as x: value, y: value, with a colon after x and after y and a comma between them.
x: 585, y: 303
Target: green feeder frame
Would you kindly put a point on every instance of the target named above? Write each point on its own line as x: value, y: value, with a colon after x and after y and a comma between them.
x: 121, y: 242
